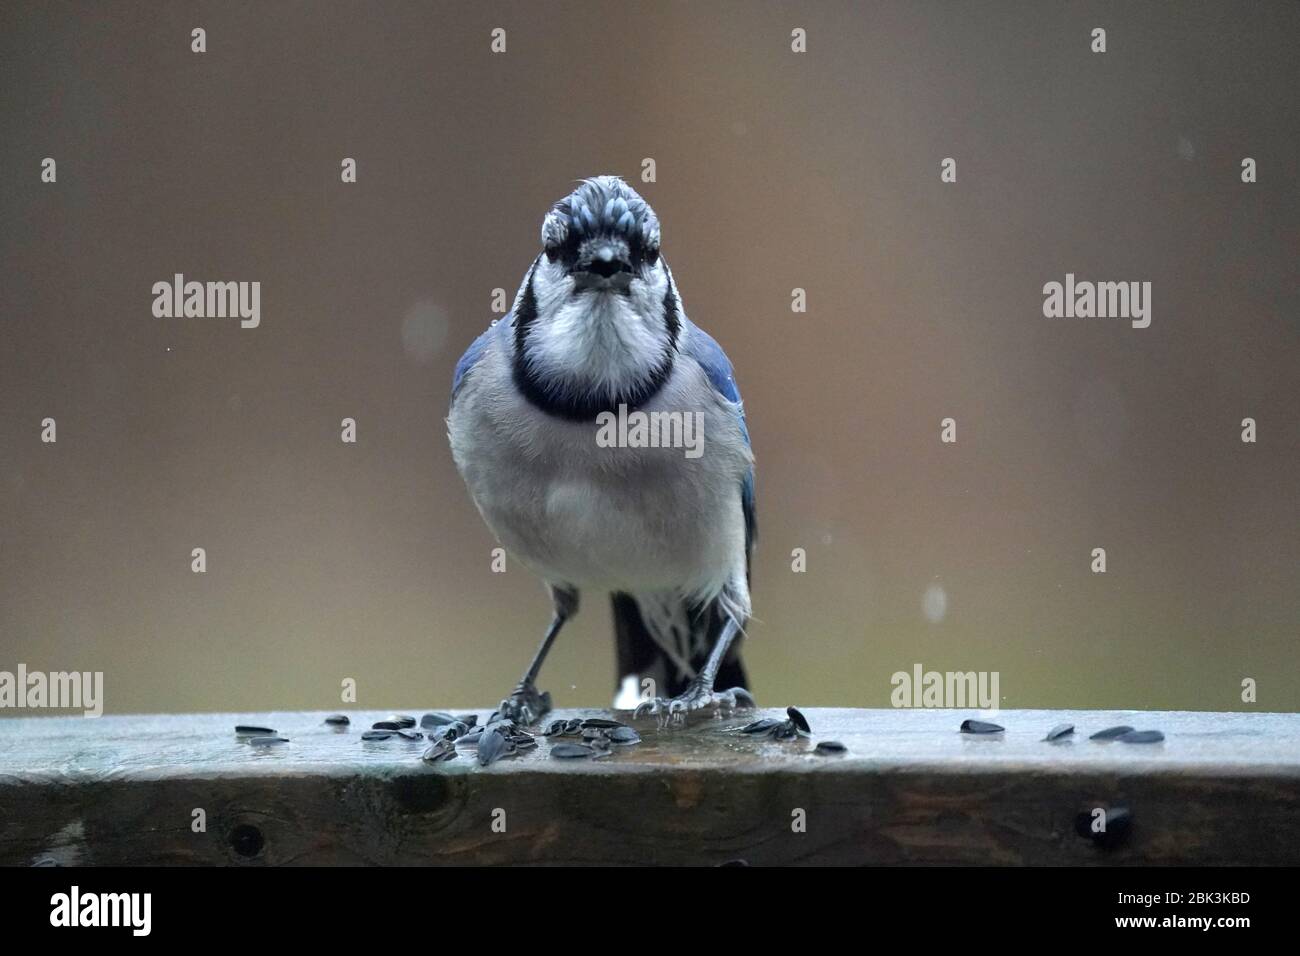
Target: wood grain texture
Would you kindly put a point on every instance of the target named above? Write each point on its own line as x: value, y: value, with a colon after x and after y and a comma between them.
x: 1221, y: 789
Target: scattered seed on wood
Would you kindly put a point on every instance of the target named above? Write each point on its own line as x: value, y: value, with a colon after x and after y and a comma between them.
x: 568, y: 751
x: 798, y: 719
x: 491, y: 748
x: 1110, y: 733
x: 830, y: 748
x: 248, y: 730
x: 338, y: 720
x: 1059, y: 731
x: 377, y: 735
x: 980, y: 727
x: 1141, y: 737
x: 271, y: 741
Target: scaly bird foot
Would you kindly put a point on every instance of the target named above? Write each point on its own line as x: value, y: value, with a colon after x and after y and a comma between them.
x: 697, y: 696
x: 526, y: 706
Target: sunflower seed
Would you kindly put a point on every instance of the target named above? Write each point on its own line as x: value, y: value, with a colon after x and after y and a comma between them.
x: 555, y: 729
x: 249, y: 730
x: 403, y: 720
x: 785, y: 730
x: 271, y: 741
x: 491, y: 748
x: 451, y: 731
x: 601, y: 722
x: 1142, y: 737
x: 1110, y: 733
x: 338, y: 720
x: 441, y: 750
x: 764, y: 726
x: 409, y: 734
x: 798, y: 719
x: 980, y: 727
x: 377, y: 735
x: 523, y: 742
x: 569, y: 751
x: 385, y: 725
x: 624, y: 735
x: 434, y: 719
x: 572, y: 727
x: 1059, y: 731
x: 830, y: 748
x: 469, y: 720
x: 471, y: 739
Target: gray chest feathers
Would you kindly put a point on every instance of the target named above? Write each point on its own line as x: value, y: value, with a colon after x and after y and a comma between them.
x: 636, y: 519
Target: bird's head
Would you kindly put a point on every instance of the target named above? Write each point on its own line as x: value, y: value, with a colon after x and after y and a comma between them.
x: 601, y: 238
x: 597, y: 316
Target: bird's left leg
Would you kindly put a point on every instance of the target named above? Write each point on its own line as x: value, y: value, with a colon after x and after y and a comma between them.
x: 700, y: 693
x: 526, y: 705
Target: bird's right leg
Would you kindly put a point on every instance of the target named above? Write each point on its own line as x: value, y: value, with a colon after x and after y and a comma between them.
x: 526, y: 705
x: 700, y: 694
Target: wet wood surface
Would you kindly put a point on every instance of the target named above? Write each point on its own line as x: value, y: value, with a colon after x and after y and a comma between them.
x: 911, y: 789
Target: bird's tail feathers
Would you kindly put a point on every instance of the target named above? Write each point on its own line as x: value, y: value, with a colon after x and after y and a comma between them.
x: 667, y: 640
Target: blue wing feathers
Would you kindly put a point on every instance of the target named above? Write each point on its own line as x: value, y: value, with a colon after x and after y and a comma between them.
x: 472, y: 355
x: 717, y: 367
x: 708, y: 353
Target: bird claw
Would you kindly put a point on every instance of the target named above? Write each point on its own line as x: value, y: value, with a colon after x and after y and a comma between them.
x: 526, y: 705
x: 696, y: 697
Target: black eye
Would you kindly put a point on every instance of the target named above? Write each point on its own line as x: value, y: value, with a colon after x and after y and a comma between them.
x: 651, y: 256
x: 552, y: 253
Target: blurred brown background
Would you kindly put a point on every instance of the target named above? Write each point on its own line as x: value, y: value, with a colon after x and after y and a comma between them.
x: 775, y: 170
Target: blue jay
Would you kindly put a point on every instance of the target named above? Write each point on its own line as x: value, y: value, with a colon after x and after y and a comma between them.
x: 598, y: 329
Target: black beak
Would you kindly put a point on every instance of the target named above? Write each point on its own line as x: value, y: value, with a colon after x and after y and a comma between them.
x: 607, y: 268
